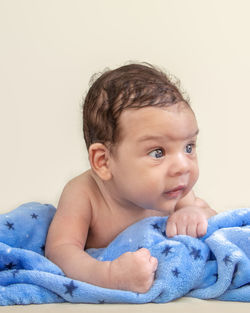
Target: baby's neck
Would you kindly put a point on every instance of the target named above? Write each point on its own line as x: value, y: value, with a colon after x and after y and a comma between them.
x: 113, y: 201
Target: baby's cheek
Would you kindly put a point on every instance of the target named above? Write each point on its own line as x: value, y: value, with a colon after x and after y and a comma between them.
x: 194, y: 174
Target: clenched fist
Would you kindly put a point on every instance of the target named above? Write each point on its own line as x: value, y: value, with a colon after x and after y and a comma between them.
x: 133, y: 271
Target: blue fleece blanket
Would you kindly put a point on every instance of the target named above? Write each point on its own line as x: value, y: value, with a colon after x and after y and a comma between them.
x: 215, y: 266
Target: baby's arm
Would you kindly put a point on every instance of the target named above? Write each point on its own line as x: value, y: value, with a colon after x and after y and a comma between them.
x: 190, y: 217
x: 66, y: 241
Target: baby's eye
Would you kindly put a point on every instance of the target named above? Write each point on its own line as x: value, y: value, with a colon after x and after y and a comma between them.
x: 189, y: 148
x: 157, y: 153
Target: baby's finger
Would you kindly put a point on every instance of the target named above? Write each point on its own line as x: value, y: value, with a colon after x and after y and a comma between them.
x: 192, y: 230
x: 171, y: 229
x: 202, y: 228
x: 181, y: 229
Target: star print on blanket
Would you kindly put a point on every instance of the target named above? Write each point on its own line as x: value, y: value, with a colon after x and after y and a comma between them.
x: 214, y: 266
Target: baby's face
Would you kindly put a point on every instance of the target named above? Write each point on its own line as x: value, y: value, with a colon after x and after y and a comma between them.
x: 155, y: 163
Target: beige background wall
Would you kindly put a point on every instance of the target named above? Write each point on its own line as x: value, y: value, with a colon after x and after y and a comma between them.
x: 50, y: 48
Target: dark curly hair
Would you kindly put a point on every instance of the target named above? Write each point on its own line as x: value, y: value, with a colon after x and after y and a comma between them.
x: 129, y: 86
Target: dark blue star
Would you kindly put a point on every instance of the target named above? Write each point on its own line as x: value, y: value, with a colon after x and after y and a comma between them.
x: 227, y: 259
x: 155, y: 226
x: 164, y: 233
x: 10, y: 266
x: 196, y: 253
x: 33, y: 215
x: 211, y: 256
x: 176, y: 272
x: 10, y: 225
x: 70, y: 288
x: 167, y: 250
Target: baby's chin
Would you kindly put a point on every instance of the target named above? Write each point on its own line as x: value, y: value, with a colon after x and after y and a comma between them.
x: 165, y: 210
x: 169, y: 209
x: 163, y: 206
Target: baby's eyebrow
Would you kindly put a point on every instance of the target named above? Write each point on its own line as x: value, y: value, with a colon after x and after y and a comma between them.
x: 155, y: 137
x: 194, y: 134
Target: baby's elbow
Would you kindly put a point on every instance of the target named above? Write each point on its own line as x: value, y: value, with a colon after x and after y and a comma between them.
x: 50, y: 251
x: 47, y: 252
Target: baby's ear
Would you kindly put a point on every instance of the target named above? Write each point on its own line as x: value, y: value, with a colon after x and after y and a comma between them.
x: 99, y: 160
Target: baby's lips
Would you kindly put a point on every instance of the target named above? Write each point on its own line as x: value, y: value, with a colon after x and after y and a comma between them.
x: 178, y: 188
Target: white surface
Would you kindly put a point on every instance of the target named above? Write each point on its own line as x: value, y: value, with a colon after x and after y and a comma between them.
x: 178, y: 306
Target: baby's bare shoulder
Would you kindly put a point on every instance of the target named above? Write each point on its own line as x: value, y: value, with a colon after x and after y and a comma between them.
x: 82, y: 183
x: 79, y: 191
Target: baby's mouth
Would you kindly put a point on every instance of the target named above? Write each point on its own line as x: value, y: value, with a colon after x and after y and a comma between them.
x: 175, y: 192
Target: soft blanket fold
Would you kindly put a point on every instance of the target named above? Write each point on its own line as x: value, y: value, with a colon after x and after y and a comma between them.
x: 215, y: 266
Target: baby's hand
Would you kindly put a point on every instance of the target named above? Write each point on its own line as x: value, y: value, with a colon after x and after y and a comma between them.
x: 133, y: 271
x: 189, y: 220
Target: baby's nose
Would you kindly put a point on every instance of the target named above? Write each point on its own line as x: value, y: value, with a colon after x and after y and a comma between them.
x: 180, y: 165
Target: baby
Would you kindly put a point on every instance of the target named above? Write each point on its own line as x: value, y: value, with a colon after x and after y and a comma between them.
x: 141, y: 138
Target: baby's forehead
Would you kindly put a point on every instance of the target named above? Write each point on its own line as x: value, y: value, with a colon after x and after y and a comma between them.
x: 157, y: 121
